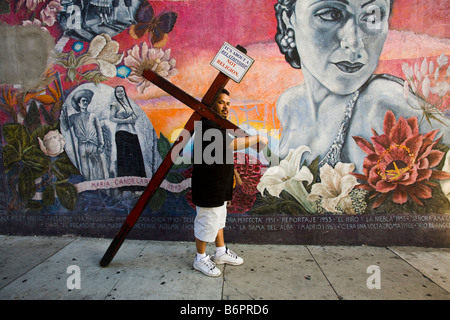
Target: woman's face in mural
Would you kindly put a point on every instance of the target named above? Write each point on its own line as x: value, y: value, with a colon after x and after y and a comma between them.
x: 120, y: 92
x: 340, y: 42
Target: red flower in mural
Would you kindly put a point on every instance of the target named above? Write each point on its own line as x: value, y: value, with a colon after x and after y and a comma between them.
x: 400, y: 161
x: 249, y: 174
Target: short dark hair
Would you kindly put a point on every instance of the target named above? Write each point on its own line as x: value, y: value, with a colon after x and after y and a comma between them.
x: 225, y: 91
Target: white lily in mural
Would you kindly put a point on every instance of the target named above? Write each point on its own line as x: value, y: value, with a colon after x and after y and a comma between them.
x: 104, y: 52
x: 289, y: 176
x: 334, y: 188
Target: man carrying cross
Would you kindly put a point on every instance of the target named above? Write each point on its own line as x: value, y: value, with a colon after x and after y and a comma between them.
x: 212, y: 186
x: 203, y: 113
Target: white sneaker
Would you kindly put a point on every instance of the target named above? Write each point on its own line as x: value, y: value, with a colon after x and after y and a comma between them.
x: 229, y: 257
x: 207, y: 267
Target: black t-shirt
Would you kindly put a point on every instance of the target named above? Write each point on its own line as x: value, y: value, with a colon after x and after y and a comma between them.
x: 212, y: 176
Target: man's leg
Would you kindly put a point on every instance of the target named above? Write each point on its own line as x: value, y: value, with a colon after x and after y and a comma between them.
x: 202, y: 262
x: 220, y: 241
x: 200, y: 246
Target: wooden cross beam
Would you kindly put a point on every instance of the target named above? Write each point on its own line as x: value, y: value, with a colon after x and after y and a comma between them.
x: 201, y: 109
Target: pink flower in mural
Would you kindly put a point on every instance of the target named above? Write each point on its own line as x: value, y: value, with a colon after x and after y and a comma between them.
x: 35, y: 22
x: 30, y: 4
x: 400, y: 161
x: 48, y: 14
x: 429, y: 83
x: 141, y: 58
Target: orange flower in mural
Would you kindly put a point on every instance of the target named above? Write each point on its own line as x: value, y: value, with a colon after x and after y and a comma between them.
x: 400, y: 161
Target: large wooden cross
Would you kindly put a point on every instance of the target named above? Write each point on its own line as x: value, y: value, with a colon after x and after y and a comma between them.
x: 201, y: 109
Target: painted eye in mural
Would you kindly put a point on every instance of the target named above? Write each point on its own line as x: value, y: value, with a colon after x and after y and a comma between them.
x: 157, y: 26
x: 329, y: 15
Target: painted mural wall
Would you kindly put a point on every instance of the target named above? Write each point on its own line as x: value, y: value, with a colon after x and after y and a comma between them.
x: 352, y: 95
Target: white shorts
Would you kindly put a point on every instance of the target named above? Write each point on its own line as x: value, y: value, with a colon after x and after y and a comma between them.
x: 209, y: 221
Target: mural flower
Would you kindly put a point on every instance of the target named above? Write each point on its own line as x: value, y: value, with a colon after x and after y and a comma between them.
x: 335, y: 187
x: 52, y: 144
x: 289, y: 176
x: 247, y: 176
x: 30, y: 4
x: 35, y: 22
x: 445, y: 184
x: 430, y: 86
x: 104, y: 52
x: 142, y: 58
x: 49, y: 13
x: 45, y: 169
x: 400, y: 162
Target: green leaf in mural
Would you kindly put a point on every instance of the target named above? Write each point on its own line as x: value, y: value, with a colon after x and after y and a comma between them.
x: 48, y: 196
x: 163, y: 145
x: 181, y: 166
x: 33, y: 117
x: 174, y: 177
x: 158, y: 199
x: 35, y: 162
x: 34, y: 205
x: 63, y: 168
x: 47, y: 117
x: 17, y: 136
x: 27, y: 187
x: 314, y: 169
x: 67, y: 194
x: 40, y: 132
x: 10, y: 157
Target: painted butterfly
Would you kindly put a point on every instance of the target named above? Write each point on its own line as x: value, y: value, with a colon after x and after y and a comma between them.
x: 157, y: 27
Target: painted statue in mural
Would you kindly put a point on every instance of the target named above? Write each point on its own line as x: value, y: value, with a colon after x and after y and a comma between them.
x: 84, y: 19
x: 129, y: 140
x: 129, y: 154
x: 86, y: 128
x: 329, y: 120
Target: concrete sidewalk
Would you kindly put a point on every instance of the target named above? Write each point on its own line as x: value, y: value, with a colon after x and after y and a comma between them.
x: 42, y: 268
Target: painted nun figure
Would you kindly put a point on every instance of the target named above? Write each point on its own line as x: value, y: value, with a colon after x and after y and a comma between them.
x: 130, y: 162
